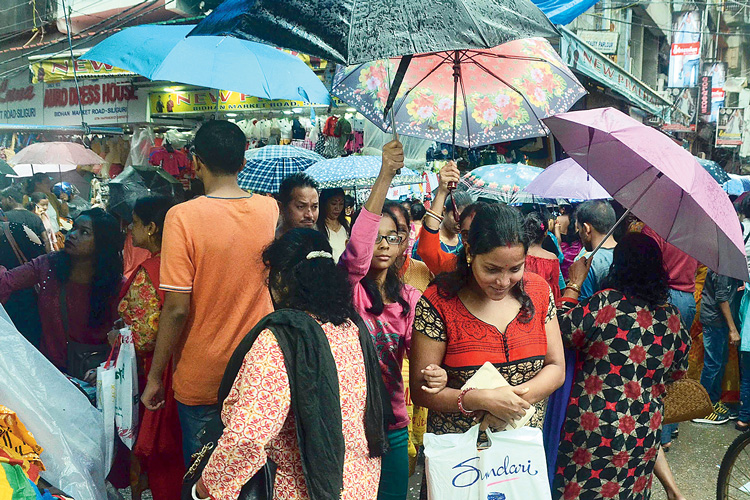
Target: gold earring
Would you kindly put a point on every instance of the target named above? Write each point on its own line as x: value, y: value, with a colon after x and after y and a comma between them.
x: 468, y: 259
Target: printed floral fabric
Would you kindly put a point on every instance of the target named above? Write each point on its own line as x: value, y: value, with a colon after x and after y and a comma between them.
x: 627, y: 353
x: 140, y: 310
x: 259, y: 424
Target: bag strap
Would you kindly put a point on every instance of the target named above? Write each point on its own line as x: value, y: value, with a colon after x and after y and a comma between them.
x: 13, y: 244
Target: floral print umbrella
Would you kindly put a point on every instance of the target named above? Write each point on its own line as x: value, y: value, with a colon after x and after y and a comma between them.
x: 496, y: 95
x: 504, y: 182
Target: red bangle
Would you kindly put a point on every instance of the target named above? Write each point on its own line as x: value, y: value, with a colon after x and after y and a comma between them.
x: 461, y: 402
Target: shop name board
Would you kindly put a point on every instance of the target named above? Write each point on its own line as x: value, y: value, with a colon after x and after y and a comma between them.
x: 686, y: 49
x: 200, y: 101
x: 55, y: 70
x: 603, y: 41
x: 704, y: 101
x: 17, y: 94
x: 581, y: 57
x: 90, y: 94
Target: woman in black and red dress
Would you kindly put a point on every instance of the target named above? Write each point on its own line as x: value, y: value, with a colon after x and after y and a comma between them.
x: 630, y: 343
x: 487, y: 310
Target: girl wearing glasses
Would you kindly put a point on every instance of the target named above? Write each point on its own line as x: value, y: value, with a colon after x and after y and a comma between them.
x: 387, y: 307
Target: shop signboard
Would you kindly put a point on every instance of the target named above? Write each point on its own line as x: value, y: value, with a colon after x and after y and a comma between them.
x: 105, y: 102
x: 685, y: 54
x: 729, y: 127
x: 603, y: 41
x: 683, y: 116
x: 58, y: 69
x: 718, y: 73
x: 204, y: 101
x: 704, y: 95
x: 584, y: 59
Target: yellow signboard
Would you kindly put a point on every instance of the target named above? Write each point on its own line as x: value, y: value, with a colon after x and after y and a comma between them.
x: 202, y: 101
x: 55, y: 70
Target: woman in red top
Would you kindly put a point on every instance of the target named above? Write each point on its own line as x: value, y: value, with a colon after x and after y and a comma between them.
x: 538, y: 260
x: 487, y: 310
x: 159, y: 444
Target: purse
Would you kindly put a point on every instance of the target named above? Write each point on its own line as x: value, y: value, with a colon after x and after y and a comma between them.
x: 81, y: 358
x: 685, y: 400
x: 259, y: 487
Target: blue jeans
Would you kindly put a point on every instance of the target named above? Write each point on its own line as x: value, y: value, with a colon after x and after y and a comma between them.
x: 744, y: 387
x: 715, y: 357
x: 193, y: 420
x: 685, y: 303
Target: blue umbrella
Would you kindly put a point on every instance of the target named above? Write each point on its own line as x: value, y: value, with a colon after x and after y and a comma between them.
x: 736, y: 185
x: 161, y: 52
x: 266, y: 167
x: 504, y: 182
x: 356, y: 172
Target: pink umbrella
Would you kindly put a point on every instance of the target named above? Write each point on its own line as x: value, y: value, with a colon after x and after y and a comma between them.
x: 660, y: 182
x: 566, y: 179
x: 47, y: 157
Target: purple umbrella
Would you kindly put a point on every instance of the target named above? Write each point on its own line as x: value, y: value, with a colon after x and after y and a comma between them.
x: 566, y: 179
x: 659, y: 181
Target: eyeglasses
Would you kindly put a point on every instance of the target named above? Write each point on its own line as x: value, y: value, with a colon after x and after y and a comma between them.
x: 392, y: 239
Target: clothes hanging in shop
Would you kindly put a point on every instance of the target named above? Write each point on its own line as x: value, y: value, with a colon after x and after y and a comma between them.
x: 174, y: 162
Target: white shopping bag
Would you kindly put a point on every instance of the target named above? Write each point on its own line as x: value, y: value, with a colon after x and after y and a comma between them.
x: 126, y: 390
x: 105, y: 402
x: 452, y: 466
x: 514, y: 467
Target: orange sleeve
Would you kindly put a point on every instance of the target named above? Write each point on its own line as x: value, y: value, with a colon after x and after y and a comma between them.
x: 177, y: 260
x: 431, y: 254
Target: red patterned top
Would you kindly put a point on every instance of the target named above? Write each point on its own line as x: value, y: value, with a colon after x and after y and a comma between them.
x: 259, y: 424
x: 518, y: 352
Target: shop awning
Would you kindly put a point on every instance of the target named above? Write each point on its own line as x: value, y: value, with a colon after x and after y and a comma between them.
x: 586, y: 60
x: 564, y: 11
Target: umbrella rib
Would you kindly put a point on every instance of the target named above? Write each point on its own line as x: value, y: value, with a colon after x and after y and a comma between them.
x: 508, y: 56
x: 466, y: 109
x: 430, y: 73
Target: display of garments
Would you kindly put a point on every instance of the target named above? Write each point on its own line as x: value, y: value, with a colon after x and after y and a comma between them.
x: 173, y: 162
x: 17, y: 444
x: 298, y: 131
x: 330, y: 126
x: 355, y: 143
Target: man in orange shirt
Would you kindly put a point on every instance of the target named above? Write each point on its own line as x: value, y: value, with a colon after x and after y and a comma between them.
x: 213, y: 278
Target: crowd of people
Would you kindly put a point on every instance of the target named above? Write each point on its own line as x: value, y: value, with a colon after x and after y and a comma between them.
x: 336, y: 300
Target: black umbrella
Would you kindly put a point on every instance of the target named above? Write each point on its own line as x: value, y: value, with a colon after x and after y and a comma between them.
x: 358, y: 31
x: 139, y: 181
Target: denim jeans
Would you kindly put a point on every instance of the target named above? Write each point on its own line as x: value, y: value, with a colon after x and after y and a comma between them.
x: 193, y: 420
x: 715, y: 357
x: 744, y: 387
x: 394, y: 469
x: 685, y: 303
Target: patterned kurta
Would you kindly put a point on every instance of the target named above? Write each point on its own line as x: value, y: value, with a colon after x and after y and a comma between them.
x: 627, y: 352
x: 259, y: 424
x: 518, y: 353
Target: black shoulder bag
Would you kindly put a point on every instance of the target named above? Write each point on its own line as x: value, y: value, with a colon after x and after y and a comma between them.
x: 82, y: 358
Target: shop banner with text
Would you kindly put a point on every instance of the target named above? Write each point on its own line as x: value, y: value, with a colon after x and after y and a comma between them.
x: 729, y: 127
x: 718, y: 73
x: 55, y: 70
x: 205, y: 101
x: 685, y: 54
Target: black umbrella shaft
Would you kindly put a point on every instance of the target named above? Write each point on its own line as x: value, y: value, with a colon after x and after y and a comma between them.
x: 456, y: 76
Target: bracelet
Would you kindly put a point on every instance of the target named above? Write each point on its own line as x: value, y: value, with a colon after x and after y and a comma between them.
x: 194, y: 492
x: 461, y: 402
x: 435, y: 214
x: 575, y: 287
x: 437, y: 218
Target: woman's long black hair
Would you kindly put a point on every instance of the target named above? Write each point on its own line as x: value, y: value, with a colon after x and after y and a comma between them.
x: 493, y: 226
x: 393, y: 285
x: 108, y: 266
x: 638, y: 270
x: 317, y: 285
x: 325, y: 196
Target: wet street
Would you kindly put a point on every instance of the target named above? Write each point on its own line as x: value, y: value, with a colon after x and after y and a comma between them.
x: 695, y: 458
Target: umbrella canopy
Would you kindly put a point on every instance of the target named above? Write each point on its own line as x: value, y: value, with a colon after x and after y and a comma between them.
x: 6, y: 169
x: 715, y: 170
x: 502, y: 93
x: 29, y: 169
x: 355, y: 32
x: 660, y: 182
x: 350, y: 172
x: 503, y: 182
x: 736, y: 185
x: 136, y: 182
x: 55, y: 153
x: 566, y: 179
x: 266, y: 167
x: 161, y: 52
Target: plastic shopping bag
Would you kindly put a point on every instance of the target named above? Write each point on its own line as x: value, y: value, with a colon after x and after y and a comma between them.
x: 105, y: 402
x: 514, y: 467
x: 126, y: 390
